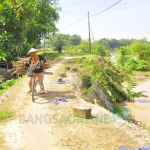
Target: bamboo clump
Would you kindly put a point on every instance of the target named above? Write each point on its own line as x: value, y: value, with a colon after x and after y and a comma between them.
x: 19, y: 67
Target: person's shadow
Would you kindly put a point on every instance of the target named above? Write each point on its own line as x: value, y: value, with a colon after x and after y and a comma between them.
x: 53, y: 97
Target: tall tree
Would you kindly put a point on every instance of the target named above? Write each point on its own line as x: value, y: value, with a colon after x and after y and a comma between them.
x: 75, y: 40
x: 140, y: 49
x: 24, y: 23
x: 114, y: 43
x: 100, y: 49
x: 122, y: 55
x: 60, y: 40
x: 104, y: 42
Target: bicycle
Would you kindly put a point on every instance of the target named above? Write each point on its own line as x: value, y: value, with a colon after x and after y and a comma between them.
x: 34, y: 79
x: 34, y: 84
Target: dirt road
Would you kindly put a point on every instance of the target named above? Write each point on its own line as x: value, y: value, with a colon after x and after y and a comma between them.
x: 49, y: 123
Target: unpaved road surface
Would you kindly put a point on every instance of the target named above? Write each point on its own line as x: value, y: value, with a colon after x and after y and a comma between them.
x: 49, y: 124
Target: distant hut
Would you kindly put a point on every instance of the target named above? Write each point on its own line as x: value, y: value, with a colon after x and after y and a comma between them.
x: 4, y: 67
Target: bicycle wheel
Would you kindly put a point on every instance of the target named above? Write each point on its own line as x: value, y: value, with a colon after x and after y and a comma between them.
x: 33, y: 82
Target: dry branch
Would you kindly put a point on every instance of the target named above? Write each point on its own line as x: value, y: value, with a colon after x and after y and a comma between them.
x: 19, y: 68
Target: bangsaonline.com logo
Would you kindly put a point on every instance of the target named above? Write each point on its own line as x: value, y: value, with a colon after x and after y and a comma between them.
x: 105, y: 118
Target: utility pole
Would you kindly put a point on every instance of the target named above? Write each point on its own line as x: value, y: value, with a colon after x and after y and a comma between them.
x: 89, y: 33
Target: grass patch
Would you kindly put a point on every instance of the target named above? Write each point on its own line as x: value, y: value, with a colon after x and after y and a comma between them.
x: 145, y: 126
x: 51, y: 55
x: 4, y: 86
x: 5, y: 114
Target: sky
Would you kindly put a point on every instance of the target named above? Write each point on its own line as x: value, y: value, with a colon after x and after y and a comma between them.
x: 129, y: 19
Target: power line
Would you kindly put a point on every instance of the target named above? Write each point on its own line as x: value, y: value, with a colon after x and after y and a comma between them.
x: 91, y: 15
x: 73, y: 23
x: 106, y: 9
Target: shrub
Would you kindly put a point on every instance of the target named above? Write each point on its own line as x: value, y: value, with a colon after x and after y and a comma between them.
x: 86, y: 81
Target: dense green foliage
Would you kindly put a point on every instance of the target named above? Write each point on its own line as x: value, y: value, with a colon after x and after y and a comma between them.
x: 62, y: 40
x: 86, y: 80
x: 7, y: 84
x: 24, y: 23
x: 51, y: 55
x: 140, y: 50
x: 84, y: 47
x: 1, y: 59
x: 93, y: 68
x: 1, y: 54
x: 111, y: 44
x: 4, y: 114
x: 124, y: 112
x: 134, y: 57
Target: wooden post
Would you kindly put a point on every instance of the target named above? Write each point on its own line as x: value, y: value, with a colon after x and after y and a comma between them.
x: 89, y: 33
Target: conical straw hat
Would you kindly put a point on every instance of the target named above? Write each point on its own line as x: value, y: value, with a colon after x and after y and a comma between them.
x: 32, y: 50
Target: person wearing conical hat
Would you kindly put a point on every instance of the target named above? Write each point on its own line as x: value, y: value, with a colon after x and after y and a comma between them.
x: 39, y: 71
x: 32, y: 50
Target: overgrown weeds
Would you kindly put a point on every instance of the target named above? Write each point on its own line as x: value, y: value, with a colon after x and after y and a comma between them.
x: 5, y: 114
x: 8, y: 84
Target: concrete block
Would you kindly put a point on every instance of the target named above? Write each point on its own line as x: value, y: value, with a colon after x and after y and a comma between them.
x: 62, y: 74
x: 67, y: 68
x: 81, y: 111
x: 59, y: 79
x: 74, y: 69
x: 48, y: 72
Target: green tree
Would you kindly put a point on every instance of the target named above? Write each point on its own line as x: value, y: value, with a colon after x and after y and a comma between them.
x: 125, y: 42
x: 75, y: 40
x: 60, y: 40
x: 1, y: 54
x: 140, y: 50
x: 134, y: 57
x: 100, y: 49
x: 63, y: 40
x: 113, y: 44
x: 24, y: 23
x: 142, y: 65
x: 122, y: 55
x: 84, y: 46
x: 104, y: 42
